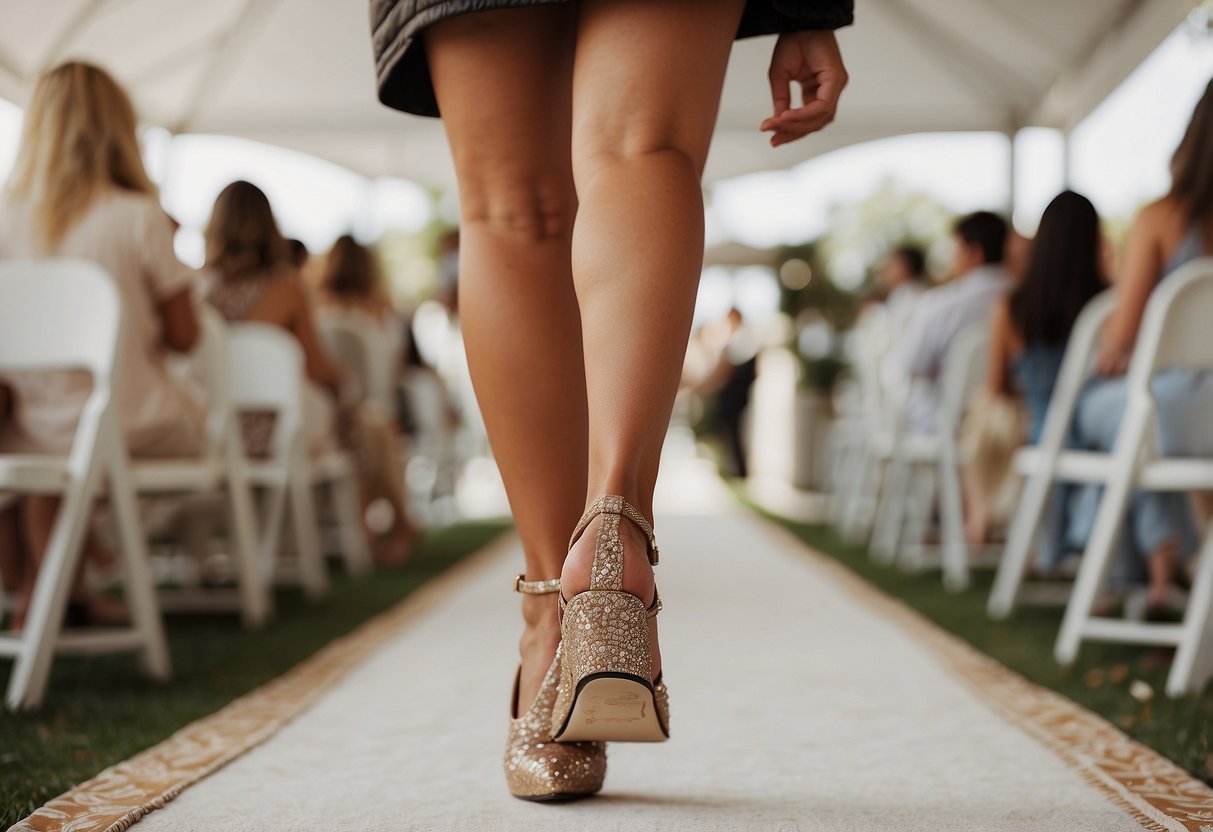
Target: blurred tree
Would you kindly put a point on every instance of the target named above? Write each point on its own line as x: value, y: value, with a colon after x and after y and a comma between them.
x: 861, y: 233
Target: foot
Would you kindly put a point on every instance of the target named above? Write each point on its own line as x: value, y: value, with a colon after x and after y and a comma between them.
x: 637, y: 573
x: 537, y: 647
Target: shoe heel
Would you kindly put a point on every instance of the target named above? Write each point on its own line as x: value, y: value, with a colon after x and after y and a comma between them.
x: 605, y: 689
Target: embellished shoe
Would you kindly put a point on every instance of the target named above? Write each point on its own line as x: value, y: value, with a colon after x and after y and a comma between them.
x: 607, y: 690
x: 536, y: 768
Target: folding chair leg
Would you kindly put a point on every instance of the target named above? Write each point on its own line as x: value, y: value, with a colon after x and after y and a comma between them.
x: 890, y: 512
x: 864, y: 493
x: 256, y: 601
x: 910, y: 556
x: 273, y: 518
x: 951, y: 515
x: 1193, y: 662
x: 1025, y: 526
x: 307, y: 534
x: 138, y: 585
x: 354, y: 547
x: 1108, y: 521
x: 27, y: 682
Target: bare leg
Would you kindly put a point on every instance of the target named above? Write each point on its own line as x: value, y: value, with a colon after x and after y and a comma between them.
x: 646, y: 88
x: 1161, y: 565
x: 976, y: 510
x: 503, y: 81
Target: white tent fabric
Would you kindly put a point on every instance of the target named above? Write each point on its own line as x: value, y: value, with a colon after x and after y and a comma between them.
x: 298, y: 73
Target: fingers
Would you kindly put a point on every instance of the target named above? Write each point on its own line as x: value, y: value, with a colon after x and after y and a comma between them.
x: 794, y: 124
x: 781, y: 89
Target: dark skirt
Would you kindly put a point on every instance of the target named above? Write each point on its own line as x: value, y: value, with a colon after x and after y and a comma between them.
x: 403, y: 74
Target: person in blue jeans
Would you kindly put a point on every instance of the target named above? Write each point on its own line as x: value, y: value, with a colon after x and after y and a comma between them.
x: 1159, y: 527
x: 1030, y: 328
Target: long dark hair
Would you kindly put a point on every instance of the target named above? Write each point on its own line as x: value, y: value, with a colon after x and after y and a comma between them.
x: 242, y: 239
x: 350, y: 271
x: 1064, y: 271
x: 1192, y: 164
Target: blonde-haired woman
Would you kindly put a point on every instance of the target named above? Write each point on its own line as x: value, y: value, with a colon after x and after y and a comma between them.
x: 79, y: 189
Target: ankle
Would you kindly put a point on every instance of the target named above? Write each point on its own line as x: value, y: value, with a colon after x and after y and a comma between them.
x: 637, y: 573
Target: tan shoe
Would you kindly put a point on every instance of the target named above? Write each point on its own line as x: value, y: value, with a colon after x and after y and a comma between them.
x: 536, y: 768
x: 607, y: 690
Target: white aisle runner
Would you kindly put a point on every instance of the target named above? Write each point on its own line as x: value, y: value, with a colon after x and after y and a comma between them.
x: 799, y: 702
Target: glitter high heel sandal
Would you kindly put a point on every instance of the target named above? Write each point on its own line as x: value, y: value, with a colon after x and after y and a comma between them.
x: 535, y: 767
x: 607, y: 689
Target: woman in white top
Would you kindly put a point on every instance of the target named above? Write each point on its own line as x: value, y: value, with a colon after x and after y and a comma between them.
x: 79, y: 189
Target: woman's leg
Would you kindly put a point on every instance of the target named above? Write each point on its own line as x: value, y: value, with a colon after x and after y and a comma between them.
x: 646, y: 89
x: 1154, y: 527
x: 504, y: 84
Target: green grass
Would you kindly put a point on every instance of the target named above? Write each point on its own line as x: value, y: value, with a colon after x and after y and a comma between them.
x: 99, y: 711
x: 1177, y: 728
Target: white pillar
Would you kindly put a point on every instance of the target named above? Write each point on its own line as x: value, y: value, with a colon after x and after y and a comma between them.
x: 1011, y: 170
x: 1067, y: 160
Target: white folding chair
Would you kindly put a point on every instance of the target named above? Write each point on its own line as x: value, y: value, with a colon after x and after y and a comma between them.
x: 1048, y: 462
x: 266, y: 373
x: 931, y: 464
x: 67, y: 315
x: 359, y: 344
x: 221, y: 469
x: 864, y: 461
x: 1173, y: 333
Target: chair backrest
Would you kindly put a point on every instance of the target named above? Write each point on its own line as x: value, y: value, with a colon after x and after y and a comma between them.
x: 879, y: 405
x: 358, y: 344
x: 266, y: 373
x: 59, y: 314
x: 1175, y: 328
x: 964, y: 368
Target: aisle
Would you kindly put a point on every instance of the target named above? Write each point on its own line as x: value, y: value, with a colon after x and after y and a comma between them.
x: 800, y: 701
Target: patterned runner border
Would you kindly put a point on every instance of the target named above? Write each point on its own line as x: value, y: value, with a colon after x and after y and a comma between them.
x: 119, y: 796
x: 1156, y: 792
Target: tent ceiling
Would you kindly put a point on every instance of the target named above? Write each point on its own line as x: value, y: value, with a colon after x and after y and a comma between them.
x: 297, y: 73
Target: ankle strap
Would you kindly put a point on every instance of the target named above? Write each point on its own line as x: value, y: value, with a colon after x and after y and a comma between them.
x: 521, y: 584
x: 614, y: 504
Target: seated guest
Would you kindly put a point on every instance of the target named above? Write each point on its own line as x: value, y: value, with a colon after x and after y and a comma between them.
x: 252, y: 279
x: 79, y: 189
x: 946, y: 311
x: 351, y: 283
x: 904, y: 278
x: 1063, y: 270
x: 1166, y: 234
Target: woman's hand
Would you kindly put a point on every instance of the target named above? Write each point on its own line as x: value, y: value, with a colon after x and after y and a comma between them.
x: 812, y: 60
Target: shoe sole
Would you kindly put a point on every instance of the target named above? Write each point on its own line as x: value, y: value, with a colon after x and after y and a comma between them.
x: 555, y: 797
x: 612, y: 707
